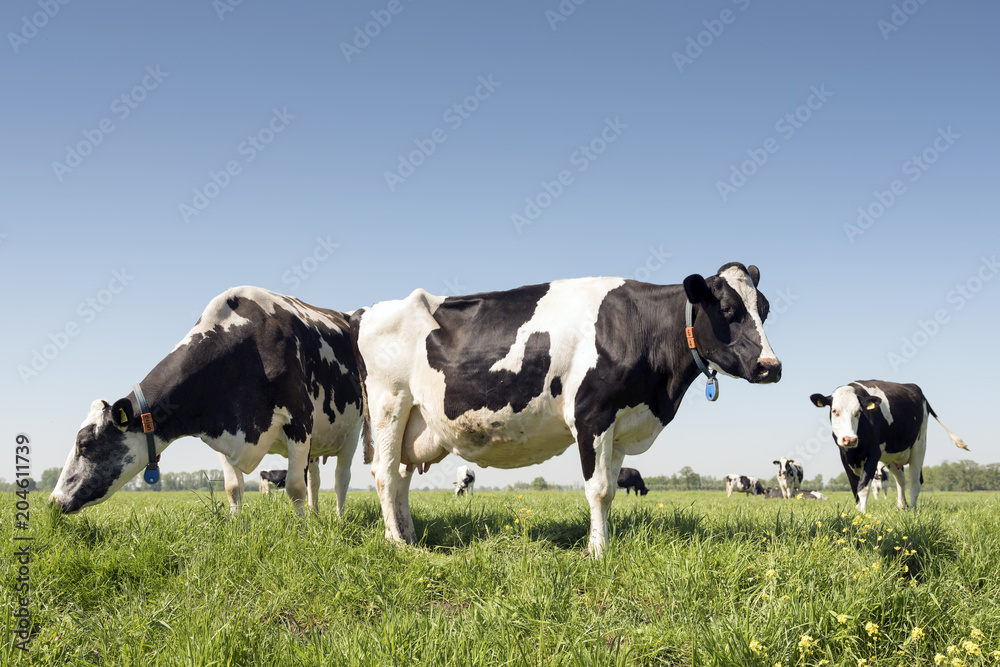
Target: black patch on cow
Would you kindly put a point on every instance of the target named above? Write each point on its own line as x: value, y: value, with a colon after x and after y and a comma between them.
x: 744, y: 481
x: 555, y: 387
x: 233, y: 302
x: 636, y: 365
x: 477, y: 331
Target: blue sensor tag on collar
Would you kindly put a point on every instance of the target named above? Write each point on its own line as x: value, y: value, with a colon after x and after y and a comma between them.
x: 151, y: 476
x: 712, y: 389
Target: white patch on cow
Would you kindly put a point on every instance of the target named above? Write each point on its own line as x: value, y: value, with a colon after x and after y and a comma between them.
x: 743, y: 286
x: 635, y: 430
x: 884, y: 405
x: 845, y: 411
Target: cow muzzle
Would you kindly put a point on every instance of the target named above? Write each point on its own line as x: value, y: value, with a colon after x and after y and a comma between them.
x: 767, y: 371
x: 848, y: 441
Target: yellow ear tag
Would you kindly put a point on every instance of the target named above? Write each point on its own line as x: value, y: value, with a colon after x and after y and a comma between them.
x: 819, y: 404
x: 124, y: 417
x: 872, y: 406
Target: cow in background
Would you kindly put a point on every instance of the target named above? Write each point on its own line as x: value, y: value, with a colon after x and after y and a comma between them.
x: 466, y: 480
x: 743, y: 484
x: 269, y: 477
x: 789, y: 476
x: 877, y: 420
x: 629, y: 478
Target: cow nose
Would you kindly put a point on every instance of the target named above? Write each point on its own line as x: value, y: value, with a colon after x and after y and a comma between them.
x: 767, y: 370
x: 848, y: 440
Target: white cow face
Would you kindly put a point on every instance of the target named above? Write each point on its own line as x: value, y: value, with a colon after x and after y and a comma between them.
x: 106, y: 456
x: 729, y: 330
x: 845, y: 412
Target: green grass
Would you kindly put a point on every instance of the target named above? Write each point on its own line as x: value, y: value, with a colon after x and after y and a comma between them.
x: 688, y: 579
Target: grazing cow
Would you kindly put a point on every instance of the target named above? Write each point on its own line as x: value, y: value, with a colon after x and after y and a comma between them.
x: 466, y: 480
x: 876, y: 419
x: 509, y: 379
x: 259, y: 373
x: 269, y: 477
x: 743, y: 484
x: 789, y: 476
x: 776, y: 492
x: 629, y: 478
x: 880, y: 479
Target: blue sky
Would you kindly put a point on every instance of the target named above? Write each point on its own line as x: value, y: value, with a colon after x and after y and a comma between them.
x: 155, y: 154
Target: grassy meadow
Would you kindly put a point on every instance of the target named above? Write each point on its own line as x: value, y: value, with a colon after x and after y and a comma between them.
x: 689, y: 579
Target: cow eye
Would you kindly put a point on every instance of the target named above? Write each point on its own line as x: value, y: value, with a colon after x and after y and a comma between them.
x: 836, y: 413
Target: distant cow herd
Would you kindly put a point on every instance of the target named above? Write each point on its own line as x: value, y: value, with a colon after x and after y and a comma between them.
x: 500, y: 379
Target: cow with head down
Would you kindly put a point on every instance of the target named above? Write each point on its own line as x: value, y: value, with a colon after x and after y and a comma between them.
x: 509, y: 379
x: 259, y: 373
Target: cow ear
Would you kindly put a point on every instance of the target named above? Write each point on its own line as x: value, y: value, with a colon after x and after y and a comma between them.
x: 776, y: 462
x: 754, y: 274
x: 697, y: 289
x: 821, y: 401
x: 871, y: 402
x: 121, y: 414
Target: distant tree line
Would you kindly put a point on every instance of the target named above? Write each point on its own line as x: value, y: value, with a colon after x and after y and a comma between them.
x: 962, y: 475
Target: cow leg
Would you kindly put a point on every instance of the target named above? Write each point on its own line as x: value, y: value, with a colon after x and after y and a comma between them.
x: 312, y: 475
x: 864, y: 483
x: 265, y: 487
x: 342, y: 479
x: 900, y: 478
x: 234, y: 484
x: 600, y: 489
x: 295, y: 481
x: 783, y: 485
x: 917, y: 463
x: 388, y: 419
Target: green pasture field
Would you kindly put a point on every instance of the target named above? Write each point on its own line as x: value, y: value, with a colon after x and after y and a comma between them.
x: 500, y: 579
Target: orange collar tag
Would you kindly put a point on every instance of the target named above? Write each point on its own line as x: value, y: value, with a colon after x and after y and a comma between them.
x: 147, y: 422
x: 689, y: 332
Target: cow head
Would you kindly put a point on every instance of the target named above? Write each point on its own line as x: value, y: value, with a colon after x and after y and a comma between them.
x: 729, y: 327
x: 110, y: 450
x: 846, y: 407
x: 784, y: 467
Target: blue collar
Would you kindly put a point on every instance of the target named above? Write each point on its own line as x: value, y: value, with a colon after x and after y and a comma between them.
x: 712, y: 386
x: 152, y: 474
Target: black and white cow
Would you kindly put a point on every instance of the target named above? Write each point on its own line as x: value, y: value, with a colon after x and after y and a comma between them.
x: 744, y: 484
x: 259, y: 373
x: 272, y: 477
x: 629, y: 478
x: 789, y: 476
x: 880, y: 480
x: 509, y: 379
x: 776, y: 492
x: 875, y: 420
x: 466, y: 480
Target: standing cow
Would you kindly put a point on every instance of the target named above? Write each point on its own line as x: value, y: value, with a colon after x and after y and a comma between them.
x: 466, y: 480
x: 744, y: 484
x: 789, y: 476
x: 629, y: 478
x: 880, y: 480
x: 509, y: 379
x: 875, y: 420
x: 259, y: 373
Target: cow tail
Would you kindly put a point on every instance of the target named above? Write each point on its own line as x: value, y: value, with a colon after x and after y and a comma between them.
x: 954, y: 438
x: 366, y: 433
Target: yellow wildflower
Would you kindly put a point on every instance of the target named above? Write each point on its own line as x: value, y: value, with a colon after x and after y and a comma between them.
x: 842, y: 619
x: 770, y: 573
x: 951, y: 650
x: 819, y: 524
x: 862, y: 662
x: 785, y: 597
x: 917, y: 634
x: 807, y: 644
x: 871, y: 629
x: 957, y: 662
x: 996, y: 655
x: 661, y: 504
x: 507, y: 527
x: 765, y: 596
x: 757, y: 647
x: 970, y: 647
x: 516, y: 520
x: 939, y: 658
x: 976, y: 633
x: 420, y: 580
